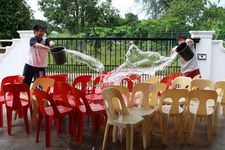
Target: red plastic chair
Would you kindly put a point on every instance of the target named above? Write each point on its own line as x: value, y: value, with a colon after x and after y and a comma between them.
x: 49, y: 113
x: 95, y: 89
x: 135, y: 78
x: 56, y: 94
x: 81, y: 109
x: 127, y: 81
x: 96, y: 111
x: 58, y: 78
x: 8, y: 80
x: 95, y: 94
x: 83, y: 80
x: 17, y: 103
x: 169, y: 78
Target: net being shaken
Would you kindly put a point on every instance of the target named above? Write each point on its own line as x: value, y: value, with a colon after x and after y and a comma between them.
x: 140, y: 63
x: 91, y: 62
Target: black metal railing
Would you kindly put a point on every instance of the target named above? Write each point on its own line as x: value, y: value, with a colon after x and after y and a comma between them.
x: 110, y: 51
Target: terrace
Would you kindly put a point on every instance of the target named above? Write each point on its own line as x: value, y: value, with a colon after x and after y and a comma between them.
x: 111, y: 51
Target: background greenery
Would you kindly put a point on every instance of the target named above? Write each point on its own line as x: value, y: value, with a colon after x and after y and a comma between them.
x: 90, y: 18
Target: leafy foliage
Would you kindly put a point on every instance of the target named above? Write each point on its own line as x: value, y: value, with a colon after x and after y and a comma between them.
x: 14, y: 15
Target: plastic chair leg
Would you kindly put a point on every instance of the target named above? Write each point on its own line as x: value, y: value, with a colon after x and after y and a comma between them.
x: 165, y: 128
x: 223, y: 107
x: 181, y: 127
x: 128, y: 128
x: 34, y: 112
x: 71, y: 124
x: 38, y: 128
x: 48, y: 125
x: 192, y: 126
x: 1, y: 115
x: 115, y: 132
x: 209, y: 126
x: 131, y: 137
x: 80, y: 129
x: 26, y: 124
x: 9, y: 121
x: 144, y: 134
x: 105, y: 135
x: 59, y: 125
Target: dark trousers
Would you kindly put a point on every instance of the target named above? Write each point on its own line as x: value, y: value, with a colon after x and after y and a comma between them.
x: 30, y: 72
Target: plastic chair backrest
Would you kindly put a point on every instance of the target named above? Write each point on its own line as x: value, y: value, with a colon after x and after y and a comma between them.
x: 125, y: 93
x: 83, y: 80
x: 42, y: 99
x: 78, y: 96
x: 202, y: 96
x: 135, y: 77
x: 169, y: 78
x: 159, y: 88
x: 153, y: 80
x: 145, y: 89
x: 197, y: 76
x: 201, y: 84
x: 58, y: 78
x: 16, y: 79
x: 109, y: 96
x: 220, y: 88
x: 128, y: 82
x: 16, y: 90
x: 175, y: 95
x: 96, y: 82
x: 181, y: 83
x: 65, y: 89
x: 43, y: 84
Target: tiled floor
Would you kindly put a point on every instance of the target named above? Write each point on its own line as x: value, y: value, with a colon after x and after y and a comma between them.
x: 93, y: 140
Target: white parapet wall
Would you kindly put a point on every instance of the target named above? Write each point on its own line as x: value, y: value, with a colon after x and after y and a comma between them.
x: 210, y: 54
x: 13, y: 60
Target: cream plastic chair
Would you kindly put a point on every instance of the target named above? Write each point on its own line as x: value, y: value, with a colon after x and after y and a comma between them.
x: 172, y: 110
x: 197, y: 76
x: 201, y: 84
x: 181, y: 83
x: 159, y: 88
x: 42, y: 84
x: 126, y: 95
x: 141, y: 92
x: 121, y: 118
x: 220, y: 89
x: 153, y: 80
x: 202, y: 110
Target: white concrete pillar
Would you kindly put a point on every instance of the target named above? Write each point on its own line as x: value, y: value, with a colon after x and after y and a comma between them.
x: 204, y: 48
x: 13, y: 60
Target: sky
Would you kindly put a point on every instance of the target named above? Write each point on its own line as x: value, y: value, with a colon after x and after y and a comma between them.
x: 124, y: 6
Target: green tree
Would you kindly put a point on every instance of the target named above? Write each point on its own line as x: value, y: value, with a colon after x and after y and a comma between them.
x: 130, y: 19
x: 72, y: 15
x: 80, y: 14
x: 155, y: 8
x: 14, y: 15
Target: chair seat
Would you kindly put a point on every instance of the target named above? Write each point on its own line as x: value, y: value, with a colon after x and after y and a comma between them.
x: 97, y: 107
x: 24, y: 102
x: 125, y: 119
x: 166, y: 109
x: 94, y: 97
x: 144, y: 111
x: 62, y: 110
x: 94, y: 108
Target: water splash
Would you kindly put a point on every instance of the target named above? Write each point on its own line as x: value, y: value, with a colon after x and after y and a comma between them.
x: 91, y: 62
x: 139, y: 62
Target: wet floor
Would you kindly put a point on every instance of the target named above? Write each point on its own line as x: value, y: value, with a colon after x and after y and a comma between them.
x: 92, y: 140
